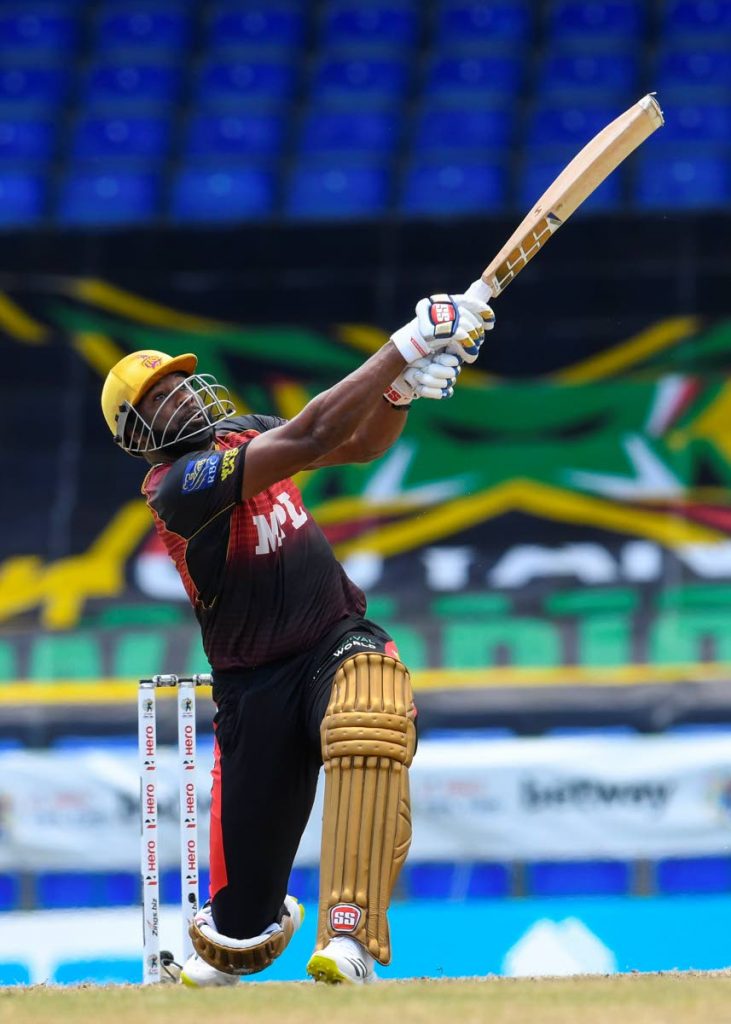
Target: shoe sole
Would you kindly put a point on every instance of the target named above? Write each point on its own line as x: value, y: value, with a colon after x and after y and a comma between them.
x: 323, y: 969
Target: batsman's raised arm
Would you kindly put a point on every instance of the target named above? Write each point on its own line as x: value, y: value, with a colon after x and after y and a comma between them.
x: 347, y: 422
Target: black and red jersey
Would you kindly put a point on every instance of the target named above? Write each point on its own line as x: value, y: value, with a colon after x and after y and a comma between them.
x: 261, y: 576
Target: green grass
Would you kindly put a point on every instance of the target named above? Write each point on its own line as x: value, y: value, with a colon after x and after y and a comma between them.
x: 676, y: 998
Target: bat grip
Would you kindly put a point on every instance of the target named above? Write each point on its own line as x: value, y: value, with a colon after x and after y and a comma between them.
x: 479, y: 290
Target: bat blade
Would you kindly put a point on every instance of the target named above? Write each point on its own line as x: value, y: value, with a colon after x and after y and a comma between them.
x: 595, y: 162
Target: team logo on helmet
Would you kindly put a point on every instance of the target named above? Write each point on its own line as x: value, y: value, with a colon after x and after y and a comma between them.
x: 345, y: 917
x: 151, y: 362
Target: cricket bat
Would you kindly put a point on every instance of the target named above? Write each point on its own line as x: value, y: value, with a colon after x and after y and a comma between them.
x: 575, y: 183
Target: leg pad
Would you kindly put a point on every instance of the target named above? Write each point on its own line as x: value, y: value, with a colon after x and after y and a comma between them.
x: 368, y: 740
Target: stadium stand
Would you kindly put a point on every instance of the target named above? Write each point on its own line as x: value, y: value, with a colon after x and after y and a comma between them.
x: 414, y: 94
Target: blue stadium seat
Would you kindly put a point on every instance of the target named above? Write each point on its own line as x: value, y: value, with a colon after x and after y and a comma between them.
x: 108, y: 198
x: 704, y: 68
x: 337, y: 192
x: 688, y: 180
x: 557, y: 124
x: 589, y: 73
x: 488, y: 881
x: 598, y: 20
x: 469, y: 21
x: 121, y: 137
x: 59, y: 889
x: 697, y: 122
x: 430, y: 880
x: 687, y: 18
x: 37, y: 88
x: 132, y: 83
x: 9, y: 892
x: 360, y: 79
x: 358, y: 131
x: 578, y: 878
x: 271, y: 25
x: 22, y: 199
x: 462, y: 129
x: 249, y: 80
x: 222, y: 195
x: 442, y: 190
x: 245, y: 134
x: 144, y: 26
x: 26, y: 140
x: 679, y: 875
x: 385, y: 23
x: 37, y: 32
x: 473, y: 77
x: 537, y: 173
x: 124, y: 741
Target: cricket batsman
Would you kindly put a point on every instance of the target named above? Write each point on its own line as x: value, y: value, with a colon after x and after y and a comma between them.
x: 301, y: 678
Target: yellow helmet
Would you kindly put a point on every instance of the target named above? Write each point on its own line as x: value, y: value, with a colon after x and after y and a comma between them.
x: 129, y: 379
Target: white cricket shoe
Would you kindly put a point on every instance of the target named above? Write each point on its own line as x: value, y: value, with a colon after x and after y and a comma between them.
x: 196, y: 973
x: 343, y: 960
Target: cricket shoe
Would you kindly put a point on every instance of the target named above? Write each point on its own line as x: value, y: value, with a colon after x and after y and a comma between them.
x: 196, y: 973
x: 342, y: 961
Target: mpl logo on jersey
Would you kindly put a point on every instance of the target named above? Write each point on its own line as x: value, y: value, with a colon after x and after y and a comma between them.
x: 345, y: 917
x: 201, y: 473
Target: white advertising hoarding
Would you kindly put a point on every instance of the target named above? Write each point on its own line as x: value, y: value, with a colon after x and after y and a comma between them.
x: 524, y: 799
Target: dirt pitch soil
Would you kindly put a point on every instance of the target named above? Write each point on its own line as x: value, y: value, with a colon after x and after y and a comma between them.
x: 675, y: 998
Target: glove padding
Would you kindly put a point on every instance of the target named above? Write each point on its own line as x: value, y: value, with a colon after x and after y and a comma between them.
x: 429, y: 377
x: 455, y: 323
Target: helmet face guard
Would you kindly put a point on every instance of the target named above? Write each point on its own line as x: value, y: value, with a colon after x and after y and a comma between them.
x: 179, y: 424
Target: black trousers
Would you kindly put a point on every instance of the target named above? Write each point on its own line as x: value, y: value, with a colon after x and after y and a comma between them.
x: 267, y: 759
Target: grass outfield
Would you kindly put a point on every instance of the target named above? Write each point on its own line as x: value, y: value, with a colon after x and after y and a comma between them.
x: 678, y: 998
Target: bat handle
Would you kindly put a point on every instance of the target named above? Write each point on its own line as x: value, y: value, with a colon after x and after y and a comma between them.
x: 479, y: 290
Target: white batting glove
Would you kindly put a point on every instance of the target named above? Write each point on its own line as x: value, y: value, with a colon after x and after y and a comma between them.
x: 429, y: 377
x: 456, y: 323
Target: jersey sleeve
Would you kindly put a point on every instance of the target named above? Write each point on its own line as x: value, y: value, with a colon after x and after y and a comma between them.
x: 252, y: 421
x: 199, y: 487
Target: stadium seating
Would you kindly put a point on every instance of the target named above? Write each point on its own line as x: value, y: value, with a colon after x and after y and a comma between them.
x: 132, y: 84
x: 340, y: 108
x: 362, y: 79
x: 443, y: 190
x: 26, y: 140
x: 331, y: 192
x: 23, y: 198
x: 683, y: 875
x: 685, y: 19
x: 26, y: 89
x: 271, y: 26
x: 220, y: 194
x: 109, y: 198
x: 596, y: 20
x: 247, y: 133
x: 243, y: 79
x: 462, y: 22
x: 341, y: 131
x: 138, y: 27
x: 122, y: 137
x: 351, y: 23
x: 578, y: 878
x: 37, y: 32
x: 683, y: 181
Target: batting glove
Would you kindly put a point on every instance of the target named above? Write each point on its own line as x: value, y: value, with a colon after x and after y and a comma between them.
x: 429, y: 377
x: 445, y: 322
